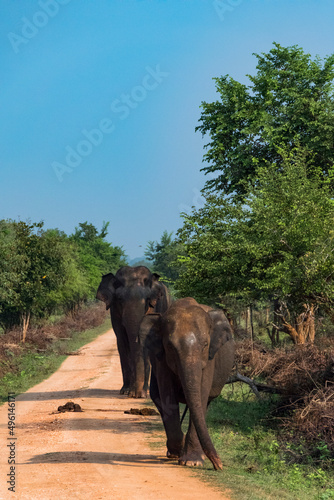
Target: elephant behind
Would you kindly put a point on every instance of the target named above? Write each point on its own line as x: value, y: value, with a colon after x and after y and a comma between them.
x: 192, y: 353
x: 130, y: 294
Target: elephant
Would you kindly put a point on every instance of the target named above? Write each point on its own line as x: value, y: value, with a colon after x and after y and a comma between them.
x: 130, y: 294
x: 192, y: 354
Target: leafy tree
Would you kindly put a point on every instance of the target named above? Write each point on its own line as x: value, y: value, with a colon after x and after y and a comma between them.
x: 276, y: 244
x: 43, y: 271
x: 97, y: 256
x: 288, y: 103
x: 163, y: 254
x: 74, y: 287
x: 11, y: 265
x: 34, y: 269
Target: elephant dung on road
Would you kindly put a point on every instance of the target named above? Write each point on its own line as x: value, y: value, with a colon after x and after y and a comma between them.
x: 130, y: 294
x: 192, y: 353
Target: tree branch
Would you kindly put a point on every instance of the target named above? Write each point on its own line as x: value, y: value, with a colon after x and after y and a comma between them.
x: 255, y: 386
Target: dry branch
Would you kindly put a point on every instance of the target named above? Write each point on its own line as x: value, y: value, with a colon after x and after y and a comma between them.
x: 255, y: 386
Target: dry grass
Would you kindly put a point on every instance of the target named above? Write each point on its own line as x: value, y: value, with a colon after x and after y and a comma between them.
x: 306, y: 375
x: 316, y: 416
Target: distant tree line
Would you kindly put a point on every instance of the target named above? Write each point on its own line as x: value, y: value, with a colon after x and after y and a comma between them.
x: 46, y: 271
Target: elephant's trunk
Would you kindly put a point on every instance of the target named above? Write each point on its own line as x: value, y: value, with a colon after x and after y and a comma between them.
x: 132, y: 317
x: 191, y: 384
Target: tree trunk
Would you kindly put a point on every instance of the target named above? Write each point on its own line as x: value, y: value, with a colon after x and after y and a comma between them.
x: 246, y: 317
x: 267, y: 314
x: 251, y: 323
x: 274, y: 333
x: 303, y: 328
x: 25, y: 324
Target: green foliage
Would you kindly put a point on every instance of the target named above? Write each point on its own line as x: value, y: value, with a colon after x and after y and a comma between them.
x: 42, y: 272
x: 257, y: 461
x: 277, y: 243
x: 97, y: 256
x: 163, y: 254
x: 289, y: 102
x: 33, y: 268
x: 11, y: 262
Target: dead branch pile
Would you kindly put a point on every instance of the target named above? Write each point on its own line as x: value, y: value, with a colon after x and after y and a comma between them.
x: 297, y: 370
x: 305, y: 377
x: 315, y: 417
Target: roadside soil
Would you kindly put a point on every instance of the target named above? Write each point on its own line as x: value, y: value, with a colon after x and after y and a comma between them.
x: 99, y: 453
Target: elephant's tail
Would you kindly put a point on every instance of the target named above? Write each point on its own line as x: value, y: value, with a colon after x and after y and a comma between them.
x: 184, y: 414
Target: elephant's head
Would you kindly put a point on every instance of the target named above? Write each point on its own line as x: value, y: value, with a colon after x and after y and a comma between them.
x: 133, y: 285
x: 188, y: 328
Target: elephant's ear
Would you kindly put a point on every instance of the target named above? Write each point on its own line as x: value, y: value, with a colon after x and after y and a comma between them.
x: 107, y: 287
x: 220, y: 332
x: 160, y: 298
x: 150, y: 334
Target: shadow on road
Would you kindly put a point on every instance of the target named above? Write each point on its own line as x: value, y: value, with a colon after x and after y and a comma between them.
x: 76, y: 393
x: 73, y: 457
x: 118, y: 426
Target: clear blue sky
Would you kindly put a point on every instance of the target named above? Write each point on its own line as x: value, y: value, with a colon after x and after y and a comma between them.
x: 137, y: 70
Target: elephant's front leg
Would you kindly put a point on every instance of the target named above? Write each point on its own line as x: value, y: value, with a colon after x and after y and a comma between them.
x: 124, y: 354
x: 163, y: 394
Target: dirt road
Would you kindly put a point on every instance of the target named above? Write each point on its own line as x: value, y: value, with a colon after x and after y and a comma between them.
x: 100, y: 453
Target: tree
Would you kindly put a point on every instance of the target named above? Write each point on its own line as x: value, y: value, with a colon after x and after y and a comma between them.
x: 163, y: 254
x: 34, y: 267
x: 12, y: 264
x: 46, y: 271
x: 278, y: 243
x: 97, y: 256
x: 74, y: 287
x: 289, y: 103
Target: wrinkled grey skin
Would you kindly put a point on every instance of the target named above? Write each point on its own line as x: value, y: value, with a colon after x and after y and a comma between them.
x: 129, y: 295
x: 192, y: 353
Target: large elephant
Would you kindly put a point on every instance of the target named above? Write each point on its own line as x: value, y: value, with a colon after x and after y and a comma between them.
x: 192, y: 353
x: 130, y: 294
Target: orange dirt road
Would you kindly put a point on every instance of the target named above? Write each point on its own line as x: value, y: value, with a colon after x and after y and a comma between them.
x: 100, y: 453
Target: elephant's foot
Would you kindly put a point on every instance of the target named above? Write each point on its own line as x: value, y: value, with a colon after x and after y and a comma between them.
x: 136, y: 393
x: 141, y: 394
x: 172, y: 456
x: 216, y: 462
x: 174, y: 448
x: 124, y: 390
x: 192, y: 459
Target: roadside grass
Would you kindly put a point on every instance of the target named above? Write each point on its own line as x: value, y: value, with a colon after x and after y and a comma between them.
x: 31, y: 367
x: 255, y: 464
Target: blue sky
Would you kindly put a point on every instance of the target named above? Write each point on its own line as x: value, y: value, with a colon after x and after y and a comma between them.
x: 100, y: 100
